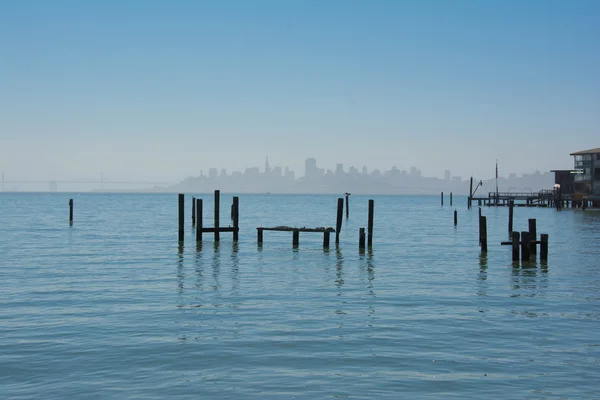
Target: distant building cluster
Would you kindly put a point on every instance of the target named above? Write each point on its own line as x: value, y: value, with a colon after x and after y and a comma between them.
x: 276, y: 179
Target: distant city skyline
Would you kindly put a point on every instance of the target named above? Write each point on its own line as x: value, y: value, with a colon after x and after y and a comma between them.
x: 277, y: 178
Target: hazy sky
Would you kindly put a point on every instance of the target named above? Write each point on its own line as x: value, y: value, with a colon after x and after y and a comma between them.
x: 162, y: 89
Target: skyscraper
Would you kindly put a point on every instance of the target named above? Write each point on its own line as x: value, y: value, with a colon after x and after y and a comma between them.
x: 310, y: 168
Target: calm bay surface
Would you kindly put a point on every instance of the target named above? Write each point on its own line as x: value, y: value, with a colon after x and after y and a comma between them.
x: 113, y: 307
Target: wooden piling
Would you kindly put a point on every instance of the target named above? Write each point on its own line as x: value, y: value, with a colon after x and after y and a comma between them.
x: 370, y: 223
x: 483, y: 234
x: 515, y: 245
x: 181, y: 216
x: 347, y: 205
x: 199, y: 220
x: 442, y: 198
x: 259, y: 236
x: 525, y: 254
x: 338, y: 223
x: 295, y: 238
x: 193, y: 211
x: 479, y: 212
x: 217, y: 213
x: 455, y: 217
x: 450, y: 199
x: 470, y: 193
x: 532, y: 236
x: 236, y: 217
x: 511, y: 207
x: 361, y: 238
x: 326, y: 235
x: 71, y: 211
x: 544, y: 247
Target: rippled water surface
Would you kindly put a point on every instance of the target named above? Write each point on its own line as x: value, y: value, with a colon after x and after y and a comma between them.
x: 113, y: 307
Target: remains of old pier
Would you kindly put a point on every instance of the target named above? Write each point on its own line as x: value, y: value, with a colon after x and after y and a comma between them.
x: 198, y: 219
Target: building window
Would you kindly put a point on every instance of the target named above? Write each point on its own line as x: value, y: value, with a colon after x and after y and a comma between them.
x: 598, y: 157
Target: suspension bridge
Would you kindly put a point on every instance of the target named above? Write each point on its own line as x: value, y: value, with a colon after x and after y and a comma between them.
x: 101, y: 183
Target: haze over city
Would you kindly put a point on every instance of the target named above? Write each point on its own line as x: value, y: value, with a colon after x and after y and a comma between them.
x: 159, y: 91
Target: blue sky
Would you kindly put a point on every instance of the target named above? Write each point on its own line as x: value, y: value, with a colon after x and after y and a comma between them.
x: 164, y: 89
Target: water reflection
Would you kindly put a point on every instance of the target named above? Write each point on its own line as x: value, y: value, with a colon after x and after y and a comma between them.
x: 199, y: 265
x: 529, y: 281
x: 339, y: 272
x: 482, y: 284
x: 216, y: 265
x: 235, y: 269
x: 180, y: 275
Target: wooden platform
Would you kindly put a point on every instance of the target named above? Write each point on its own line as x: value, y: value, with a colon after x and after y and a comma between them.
x: 296, y: 233
x: 289, y: 228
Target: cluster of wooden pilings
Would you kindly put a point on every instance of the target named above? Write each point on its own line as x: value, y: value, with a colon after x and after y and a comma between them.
x: 523, y: 243
x: 327, y: 231
x: 442, y: 199
x: 197, y: 219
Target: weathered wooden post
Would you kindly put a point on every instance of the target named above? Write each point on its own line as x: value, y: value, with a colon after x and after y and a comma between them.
x: 450, y: 199
x: 193, y: 211
x: 338, y: 223
x: 442, y: 198
x: 199, y: 220
x: 326, y: 235
x: 259, y: 233
x: 181, y: 216
x: 295, y: 238
x: 544, y: 247
x: 217, y: 212
x: 532, y: 236
x: 483, y: 234
x: 370, y: 223
x: 525, y: 255
x: 361, y: 238
x: 455, y: 217
x: 71, y: 211
x: 511, y: 206
x: 347, y: 205
x: 470, y: 193
x: 515, y: 245
x: 236, y: 217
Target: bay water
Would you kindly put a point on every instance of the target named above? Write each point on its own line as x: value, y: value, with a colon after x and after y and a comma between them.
x: 114, y: 307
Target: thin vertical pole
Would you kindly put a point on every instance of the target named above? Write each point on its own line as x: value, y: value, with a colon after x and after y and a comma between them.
x: 295, y: 238
x: 483, y: 234
x: 511, y: 206
x: 217, y: 212
x: 338, y: 224
x: 236, y: 217
x: 199, y: 220
x: 442, y: 198
x: 470, y: 193
x: 450, y: 199
x: 193, y: 211
x: 347, y: 205
x: 455, y: 217
x: 181, y: 216
x: 71, y: 211
x: 370, y: 224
